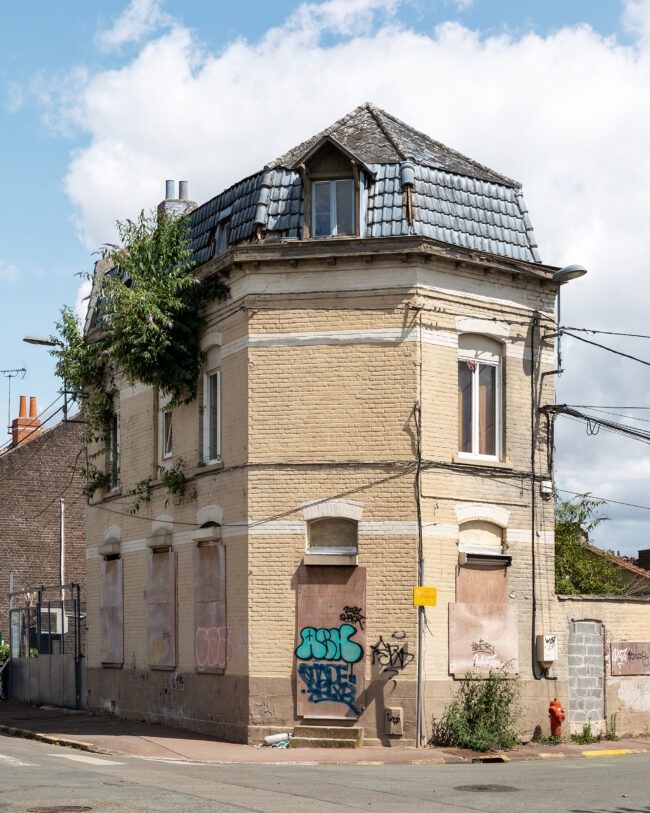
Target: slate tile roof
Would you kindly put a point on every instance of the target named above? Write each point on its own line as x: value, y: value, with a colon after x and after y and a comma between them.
x: 456, y: 200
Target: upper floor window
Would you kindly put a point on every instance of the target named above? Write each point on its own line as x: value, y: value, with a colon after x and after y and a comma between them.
x: 479, y: 397
x: 211, y: 406
x: 212, y: 417
x: 114, y: 451
x: 333, y: 207
x: 165, y: 429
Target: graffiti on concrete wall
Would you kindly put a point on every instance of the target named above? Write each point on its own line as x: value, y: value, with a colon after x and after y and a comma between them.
x: 391, y: 656
x: 330, y: 642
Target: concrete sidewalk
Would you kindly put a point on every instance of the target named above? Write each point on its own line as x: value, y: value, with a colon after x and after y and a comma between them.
x: 104, y: 733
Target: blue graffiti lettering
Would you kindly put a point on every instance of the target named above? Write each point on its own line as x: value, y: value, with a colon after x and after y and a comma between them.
x: 329, y: 644
x: 329, y: 681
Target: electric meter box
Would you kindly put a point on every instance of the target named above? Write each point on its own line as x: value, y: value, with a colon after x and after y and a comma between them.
x: 547, y: 648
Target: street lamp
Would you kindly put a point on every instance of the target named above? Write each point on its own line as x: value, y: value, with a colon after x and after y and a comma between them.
x: 45, y: 341
x: 34, y: 338
x: 562, y: 276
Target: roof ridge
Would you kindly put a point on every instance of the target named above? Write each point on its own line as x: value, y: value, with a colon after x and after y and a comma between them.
x: 477, y: 164
x: 302, y: 147
x: 374, y: 112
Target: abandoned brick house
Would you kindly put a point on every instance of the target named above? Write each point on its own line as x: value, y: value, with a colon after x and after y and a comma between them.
x: 368, y: 408
x: 36, y: 473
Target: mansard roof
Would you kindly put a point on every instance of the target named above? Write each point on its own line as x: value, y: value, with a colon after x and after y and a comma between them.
x: 456, y: 199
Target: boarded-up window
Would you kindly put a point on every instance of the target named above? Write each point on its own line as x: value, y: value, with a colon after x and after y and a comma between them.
x: 161, y: 609
x: 333, y: 532
x: 482, y: 584
x: 111, y: 613
x: 480, y: 536
x: 482, y: 637
x: 331, y: 642
x: 210, y: 630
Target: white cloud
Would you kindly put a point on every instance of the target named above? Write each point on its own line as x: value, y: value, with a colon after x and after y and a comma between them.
x: 8, y: 271
x: 567, y: 114
x: 141, y: 17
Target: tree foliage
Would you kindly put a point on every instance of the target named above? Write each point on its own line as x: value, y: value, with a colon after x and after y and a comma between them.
x: 150, y: 309
x: 577, y: 569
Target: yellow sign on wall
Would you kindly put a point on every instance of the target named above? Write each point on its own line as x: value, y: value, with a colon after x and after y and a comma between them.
x: 424, y: 596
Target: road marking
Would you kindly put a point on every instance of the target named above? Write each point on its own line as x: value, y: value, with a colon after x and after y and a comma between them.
x: 89, y: 760
x: 17, y: 763
x: 615, y: 752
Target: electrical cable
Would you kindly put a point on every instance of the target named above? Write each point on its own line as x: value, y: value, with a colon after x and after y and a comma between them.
x: 605, y: 347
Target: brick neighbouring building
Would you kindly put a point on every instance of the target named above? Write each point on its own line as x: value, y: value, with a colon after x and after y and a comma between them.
x: 35, y: 473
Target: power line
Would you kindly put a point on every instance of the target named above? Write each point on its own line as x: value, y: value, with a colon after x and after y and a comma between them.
x: 605, y: 347
x: 610, y: 332
x: 604, y: 499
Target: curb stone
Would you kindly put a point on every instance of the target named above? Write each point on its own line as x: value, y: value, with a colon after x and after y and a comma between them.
x: 28, y: 734
x: 470, y: 759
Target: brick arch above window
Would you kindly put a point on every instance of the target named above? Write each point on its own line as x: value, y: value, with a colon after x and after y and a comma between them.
x: 344, y: 509
x: 485, y: 512
x: 209, y: 513
x: 486, y: 327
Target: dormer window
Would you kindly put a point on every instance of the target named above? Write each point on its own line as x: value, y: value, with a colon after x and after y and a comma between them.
x: 333, y: 207
x: 335, y: 184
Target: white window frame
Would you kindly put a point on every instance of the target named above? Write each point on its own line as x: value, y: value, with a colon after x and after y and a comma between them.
x: 333, y: 218
x: 468, y: 355
x: 207, y: 414
x: 164, y: 456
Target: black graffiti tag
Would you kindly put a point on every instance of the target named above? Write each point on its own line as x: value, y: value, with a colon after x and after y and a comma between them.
x: 353, y: 615
x: 391, y: 657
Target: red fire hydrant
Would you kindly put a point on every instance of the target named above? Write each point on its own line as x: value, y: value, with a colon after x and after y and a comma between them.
x: 556, y: 713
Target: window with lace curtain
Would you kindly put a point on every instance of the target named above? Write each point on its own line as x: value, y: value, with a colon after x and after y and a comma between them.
x: 479, y: 397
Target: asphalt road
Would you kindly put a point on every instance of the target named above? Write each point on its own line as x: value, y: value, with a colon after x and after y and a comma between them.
x: 37, y: 776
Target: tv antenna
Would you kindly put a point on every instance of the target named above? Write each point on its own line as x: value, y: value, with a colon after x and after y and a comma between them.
x: 11, y: 374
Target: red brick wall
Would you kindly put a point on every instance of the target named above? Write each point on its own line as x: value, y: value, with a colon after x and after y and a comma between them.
x: 33, y: 478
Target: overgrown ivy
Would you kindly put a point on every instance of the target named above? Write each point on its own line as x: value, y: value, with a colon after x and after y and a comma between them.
x: 149, y: 308
x: 577, y: 569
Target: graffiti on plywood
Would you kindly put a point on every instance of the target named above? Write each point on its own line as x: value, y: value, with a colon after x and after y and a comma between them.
x: 329, y: 683
x: 330, y: 642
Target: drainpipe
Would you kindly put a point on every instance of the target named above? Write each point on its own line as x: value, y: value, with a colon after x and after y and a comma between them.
x: 62, y: 561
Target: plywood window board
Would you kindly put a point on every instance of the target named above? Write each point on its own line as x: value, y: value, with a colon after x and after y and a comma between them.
x: 211, y: 634
x: 111, y: 613
x: 161, y: 609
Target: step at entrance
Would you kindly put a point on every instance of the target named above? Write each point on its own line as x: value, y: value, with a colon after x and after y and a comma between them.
x: 322, y: 736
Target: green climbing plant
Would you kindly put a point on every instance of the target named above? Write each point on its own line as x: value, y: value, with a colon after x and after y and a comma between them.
x: 149, y: 308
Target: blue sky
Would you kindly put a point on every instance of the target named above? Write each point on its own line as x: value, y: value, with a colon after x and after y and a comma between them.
x: 100, y: 102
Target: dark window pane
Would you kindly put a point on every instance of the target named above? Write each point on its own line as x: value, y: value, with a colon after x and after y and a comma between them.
x: 345, y: 207
x: 464, y: 407
x: 322, y: 222
x: 487, y: 409
x: 213, y: 407
x: 167, y: 434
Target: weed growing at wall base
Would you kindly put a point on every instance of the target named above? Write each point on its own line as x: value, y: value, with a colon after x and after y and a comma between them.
x: 483, y: 714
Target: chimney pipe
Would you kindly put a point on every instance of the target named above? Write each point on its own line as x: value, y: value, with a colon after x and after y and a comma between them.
x: 183, y: 190
x: 22, y: 427
x: 169, y: 190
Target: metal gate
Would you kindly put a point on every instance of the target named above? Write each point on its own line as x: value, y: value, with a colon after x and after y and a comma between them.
x: 46, y: 645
